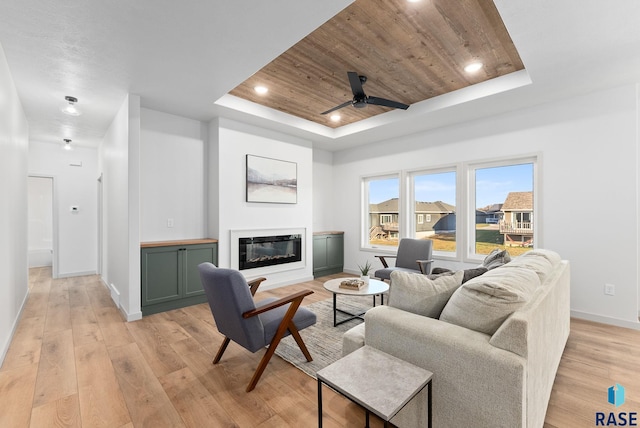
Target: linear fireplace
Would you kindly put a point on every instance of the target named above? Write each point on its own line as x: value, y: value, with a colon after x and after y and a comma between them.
x: 261, y: 251
x: 266, y: 251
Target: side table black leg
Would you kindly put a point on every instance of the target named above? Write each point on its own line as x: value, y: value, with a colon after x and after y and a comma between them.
x: 429, y: 404
x: 334, y: 309
x: 366, y: 420
x: 319, y: 404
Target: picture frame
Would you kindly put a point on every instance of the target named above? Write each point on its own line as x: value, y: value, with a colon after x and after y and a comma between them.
x: 271, y: 180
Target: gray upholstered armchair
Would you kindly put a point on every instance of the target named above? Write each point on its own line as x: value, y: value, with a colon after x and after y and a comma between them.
x: 414, y: 255
x: 253, y: 325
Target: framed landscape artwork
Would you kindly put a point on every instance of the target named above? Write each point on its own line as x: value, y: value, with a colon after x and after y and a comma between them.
x: 271, y: 180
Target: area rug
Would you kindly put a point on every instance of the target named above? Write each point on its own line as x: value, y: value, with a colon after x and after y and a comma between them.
x: 323, y: 340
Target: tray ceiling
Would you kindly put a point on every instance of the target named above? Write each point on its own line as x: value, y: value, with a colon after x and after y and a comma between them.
x: 409, y: 52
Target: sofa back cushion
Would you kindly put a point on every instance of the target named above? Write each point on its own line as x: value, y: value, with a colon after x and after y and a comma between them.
x: 483, y: 303
x: 420, y: 294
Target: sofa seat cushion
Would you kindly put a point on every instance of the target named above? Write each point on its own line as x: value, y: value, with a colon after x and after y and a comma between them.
x: 483, y: 303
x: 420, y: 294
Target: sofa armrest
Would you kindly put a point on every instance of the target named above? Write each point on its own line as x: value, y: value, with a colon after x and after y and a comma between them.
x: 475, y: 383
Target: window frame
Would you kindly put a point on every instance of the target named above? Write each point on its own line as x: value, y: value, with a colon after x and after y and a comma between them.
x: 465, y: 204
x: 470, y: 169
x: 411, y: 204
x: 365, y: 244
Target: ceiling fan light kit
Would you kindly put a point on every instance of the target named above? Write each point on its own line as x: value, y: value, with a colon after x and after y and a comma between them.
x: 360, y: 99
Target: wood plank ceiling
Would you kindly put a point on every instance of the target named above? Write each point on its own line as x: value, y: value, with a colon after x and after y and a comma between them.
x: 409, y: 51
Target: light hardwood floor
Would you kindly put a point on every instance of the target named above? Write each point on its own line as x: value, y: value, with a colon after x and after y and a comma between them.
x: 74, y: 362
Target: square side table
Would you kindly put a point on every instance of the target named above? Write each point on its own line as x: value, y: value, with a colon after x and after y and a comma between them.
x: 380, y: 383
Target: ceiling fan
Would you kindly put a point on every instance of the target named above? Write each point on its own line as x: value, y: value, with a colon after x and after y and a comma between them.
x: 360, y: 99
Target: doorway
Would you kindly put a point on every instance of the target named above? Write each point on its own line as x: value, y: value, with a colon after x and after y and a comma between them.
x: 42, y: 235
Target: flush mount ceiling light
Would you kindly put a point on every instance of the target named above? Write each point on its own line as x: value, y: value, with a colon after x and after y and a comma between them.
x: 473, y: 67
x: 70, y: 108
x: 67, y: 144
x: 261, y: 89
x: 335, y: 117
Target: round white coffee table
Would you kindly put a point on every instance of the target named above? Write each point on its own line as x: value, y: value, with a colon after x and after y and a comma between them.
x: 374, y: 288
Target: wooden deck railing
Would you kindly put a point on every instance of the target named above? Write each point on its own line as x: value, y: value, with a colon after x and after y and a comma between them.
x: 521, y: 228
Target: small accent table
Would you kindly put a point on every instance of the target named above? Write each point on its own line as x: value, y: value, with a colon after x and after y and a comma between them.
x: 378, y: 382
x: 374, y: 288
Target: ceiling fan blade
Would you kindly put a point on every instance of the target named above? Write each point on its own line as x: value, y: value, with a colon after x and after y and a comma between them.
x: 356, y: 84
x: 386, y: 103
x: 347, y: 103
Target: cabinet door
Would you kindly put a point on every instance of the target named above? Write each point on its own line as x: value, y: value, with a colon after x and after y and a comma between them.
x: 319, y: 252
x: 335, y: 251
x: 193, y: 256
x: 161, y: 274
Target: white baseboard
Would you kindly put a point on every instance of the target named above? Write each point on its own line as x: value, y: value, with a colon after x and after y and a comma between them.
x: 131, y: 317
x: 606, y: 320
x: 14, y: 327
x: 115, y: 294
x: 285, y: 283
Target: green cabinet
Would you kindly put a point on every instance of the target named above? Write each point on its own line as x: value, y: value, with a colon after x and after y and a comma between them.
x: 169, y: 273
x: 328, y: 253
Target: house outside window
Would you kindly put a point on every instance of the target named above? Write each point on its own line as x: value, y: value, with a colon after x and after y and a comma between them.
x: 381, y: 224
x: 503, y: 209
x: 434, y: 196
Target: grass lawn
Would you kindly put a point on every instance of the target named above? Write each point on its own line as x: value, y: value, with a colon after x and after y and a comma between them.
x: 487, y: 239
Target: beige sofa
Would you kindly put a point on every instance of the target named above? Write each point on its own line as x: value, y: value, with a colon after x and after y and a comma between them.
x: 500, y: 376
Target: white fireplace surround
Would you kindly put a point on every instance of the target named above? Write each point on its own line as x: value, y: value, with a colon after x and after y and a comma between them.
x: 255, y: 233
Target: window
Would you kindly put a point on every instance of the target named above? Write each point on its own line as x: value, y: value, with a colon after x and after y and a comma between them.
x: 434, y: 202
x: 503, y: 196
x: 382, y: 211
x: 467, y: 210
x: 385, y: 218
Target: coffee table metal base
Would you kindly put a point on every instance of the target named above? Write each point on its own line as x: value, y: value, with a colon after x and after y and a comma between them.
x: 351, y: 315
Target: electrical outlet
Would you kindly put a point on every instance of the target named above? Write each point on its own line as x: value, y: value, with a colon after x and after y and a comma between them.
x: 169, y: 222
x: 609, y: 289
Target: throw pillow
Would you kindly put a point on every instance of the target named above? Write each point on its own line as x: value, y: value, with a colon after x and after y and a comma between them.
x: 483, y: 303
x: 420, y: 295
x: 496, y: 258
x: 472, y: 273
x: 439, y: 270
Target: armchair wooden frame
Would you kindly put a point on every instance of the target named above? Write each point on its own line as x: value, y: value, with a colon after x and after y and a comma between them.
x: 422, y: 264
x: 286, y: 324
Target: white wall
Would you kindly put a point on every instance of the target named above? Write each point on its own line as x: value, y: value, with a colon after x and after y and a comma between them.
x: 77, y: 232
x: 589, y: 187
x: 233, y: 141
x: 322, y: 191
x: 40, y: 194
x: 172, y: 177
x: 120, y: 152
x: 14, y: 146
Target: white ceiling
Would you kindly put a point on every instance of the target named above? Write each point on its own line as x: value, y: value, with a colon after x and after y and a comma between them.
x: 181, y: 57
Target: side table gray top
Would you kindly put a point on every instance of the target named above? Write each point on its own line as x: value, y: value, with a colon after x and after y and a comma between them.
x: 375, y: 380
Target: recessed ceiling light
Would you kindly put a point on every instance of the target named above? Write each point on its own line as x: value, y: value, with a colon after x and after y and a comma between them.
x: 473, y: 67
x: 261, y: 89
x: 413, y: 1
x: 335, y: 117
x: 70, y: 107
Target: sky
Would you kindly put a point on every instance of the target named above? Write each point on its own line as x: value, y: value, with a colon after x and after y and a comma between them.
x: 492, y: 185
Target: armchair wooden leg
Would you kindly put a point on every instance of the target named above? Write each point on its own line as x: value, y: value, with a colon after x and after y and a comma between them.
x: 223, y: 348
x: 299, y: 341
x: 282, y: 328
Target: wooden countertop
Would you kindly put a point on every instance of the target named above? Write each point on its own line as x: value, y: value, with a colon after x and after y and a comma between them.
x: 329, y: 232
x: 178, y: 242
